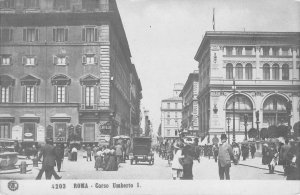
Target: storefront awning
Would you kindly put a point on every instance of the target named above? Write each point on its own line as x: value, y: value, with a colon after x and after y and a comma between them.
x: 7, y: 118
x: 29, y: 118
x: 60, y: 117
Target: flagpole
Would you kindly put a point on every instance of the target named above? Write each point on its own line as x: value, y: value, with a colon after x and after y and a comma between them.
x: 214, y: 19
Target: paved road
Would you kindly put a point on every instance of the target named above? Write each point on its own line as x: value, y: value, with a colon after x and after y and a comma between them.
x: 205, y: 170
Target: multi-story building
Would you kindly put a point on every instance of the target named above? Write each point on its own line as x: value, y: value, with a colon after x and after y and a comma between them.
x: 265, y: 69
x: 171, y: 113
x: 189, y: 95
x: 65, y: 71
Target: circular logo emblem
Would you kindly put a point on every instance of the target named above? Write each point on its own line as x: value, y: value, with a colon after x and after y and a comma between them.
x: 13, y: 185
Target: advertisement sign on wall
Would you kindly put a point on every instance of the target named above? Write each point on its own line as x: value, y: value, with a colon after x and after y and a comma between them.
x: 40, y: 133
x: 16, y: 132
x: 60, y: 132
x: 29, y: 132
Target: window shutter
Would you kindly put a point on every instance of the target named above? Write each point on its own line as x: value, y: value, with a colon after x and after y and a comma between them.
x: 25, y: 34
x: 35, y: 61
x: 67, y: 60
x: 83, y: 59
x: 35, y: 93
x: 96, y: 59
x: 66, y: 34
x: 23, y: 60
x: 37, y: 34
x: 66, y: 94
x: 24, y: 94
x: 96, y: 34
x: 54, y: 34
x: 10, y: 34
x: 10, y: 60
x: 55, y: 94
x: 54, y: 59
x: 83, y: 34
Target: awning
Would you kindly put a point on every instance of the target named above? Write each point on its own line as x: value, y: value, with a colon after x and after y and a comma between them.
x: 29, y: 118
x: 7, y: 118
x: 60, y: 117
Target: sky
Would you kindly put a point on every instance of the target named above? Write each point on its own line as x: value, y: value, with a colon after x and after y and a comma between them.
x: 164, y: 36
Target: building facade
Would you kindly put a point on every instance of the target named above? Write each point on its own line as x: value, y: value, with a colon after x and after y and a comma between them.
x: 255, y: 71
x: 190, y: 109
x: 171, y: 113
x: 65, y: 71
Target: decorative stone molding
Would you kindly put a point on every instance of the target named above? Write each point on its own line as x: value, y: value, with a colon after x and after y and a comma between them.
x: 215, y: 47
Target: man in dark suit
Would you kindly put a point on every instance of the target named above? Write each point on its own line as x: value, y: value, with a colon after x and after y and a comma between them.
x: 49, y: 157
x: 59, y: 154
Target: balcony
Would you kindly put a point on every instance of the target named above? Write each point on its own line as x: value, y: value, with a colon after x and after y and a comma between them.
x: 101, y: 106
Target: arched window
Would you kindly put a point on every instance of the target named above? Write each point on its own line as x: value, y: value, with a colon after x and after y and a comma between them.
x: 229, y: 71
x: 285, y: 72
x: 243, y: 106
x: 275, y: 72
x: 248, y: 71
x: 266, y: 72
x: 239, y: 71
x: 274, y: 110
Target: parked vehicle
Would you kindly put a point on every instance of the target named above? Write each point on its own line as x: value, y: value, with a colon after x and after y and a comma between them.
x: 142, y: 150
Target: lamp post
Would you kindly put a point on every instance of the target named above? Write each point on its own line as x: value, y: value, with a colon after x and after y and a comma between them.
x: 289, y: 111
x: 233, y: 119
x: 257, y: 123
x: 228, y: 124
x: 245, y: 123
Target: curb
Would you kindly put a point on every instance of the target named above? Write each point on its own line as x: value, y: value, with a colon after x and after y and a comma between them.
x: 259, y: 167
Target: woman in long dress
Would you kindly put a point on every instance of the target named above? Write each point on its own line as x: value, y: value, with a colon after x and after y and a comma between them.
x: 177, y: 169
x: 112, y: 164
x: 99, y: 159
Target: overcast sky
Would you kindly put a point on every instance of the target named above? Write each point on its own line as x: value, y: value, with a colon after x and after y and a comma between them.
x: 164, y: 35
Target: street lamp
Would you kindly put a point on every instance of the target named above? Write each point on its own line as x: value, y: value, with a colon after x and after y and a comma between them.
x: 228, y: 124
x: 245, y: 123
x: 233, y: 127
x: 289, y: 111
x: 257, y: 122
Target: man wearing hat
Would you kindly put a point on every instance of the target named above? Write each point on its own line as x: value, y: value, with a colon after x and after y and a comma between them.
x: 224, y: 158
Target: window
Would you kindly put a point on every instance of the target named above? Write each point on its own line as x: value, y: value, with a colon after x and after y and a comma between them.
x: 30, y: 84
x: 168, y: 114
x: 104, y: 5
x: 265, y: 51
x: 239, y: 71
x: 275, y: 72
x: 168, y: 121
x: 168, y: 105
x: 248, y: 70
x: 61, y: 94
x: 60, y: 83
x: 229, y: 71
x: 5, y: 131
x: 6, y: 34
x: 29, y: 60
x: 30, y: 94
x: 90, y: 34
x: 175, y: 114
x: 89, y: 89
x: 239, y: 51
x: 29, y: 131
x: 30, y: 34
x: 60, y: 60
x: 89, y: 59
x: 61, y: 4
x: 176, y: 105
x: 32, y: 4
x: 168, y: 132
x: 60, y: 34
x: 90, y: 4
x: 7, y: 4
x: 249, y: 51
x: 266, y: 72
x: 89, y: 96
x: 5, y: 95
x: 5, y: 60
x: 285, y: 72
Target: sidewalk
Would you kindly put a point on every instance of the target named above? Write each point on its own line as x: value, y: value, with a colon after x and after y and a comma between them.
x: 256, y: 163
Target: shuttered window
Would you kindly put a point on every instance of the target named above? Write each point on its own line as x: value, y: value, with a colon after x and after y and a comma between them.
x: 90, y: 34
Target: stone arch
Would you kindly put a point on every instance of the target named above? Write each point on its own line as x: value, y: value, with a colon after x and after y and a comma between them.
x: 245, y: 94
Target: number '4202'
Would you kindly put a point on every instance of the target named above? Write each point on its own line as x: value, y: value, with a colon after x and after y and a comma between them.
x: 59, y: 186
